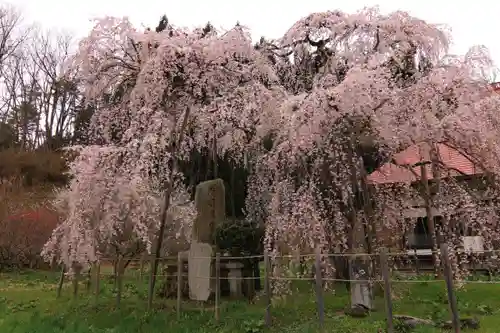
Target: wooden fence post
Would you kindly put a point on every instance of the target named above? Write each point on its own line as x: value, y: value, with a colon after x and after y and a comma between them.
x: 267, y: 288
x: 387, y: 289
x: 455, y: 319
x: 319, y: 289
x: 141, y: 269
x: 472, y: 260
x: 61, y: 282
x: 180, y: 270
x: 417, y: 265
x: 217, y: 286
x: 119, y: 279
x: 97, y: 277
x: 76, y: 277
x: 88, y: 280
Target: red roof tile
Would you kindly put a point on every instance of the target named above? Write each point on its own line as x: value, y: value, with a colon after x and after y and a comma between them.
x: 455, y: 162
x: 35, y: 215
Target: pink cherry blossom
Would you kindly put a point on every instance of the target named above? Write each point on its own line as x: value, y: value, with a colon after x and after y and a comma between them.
x: 336, y: 95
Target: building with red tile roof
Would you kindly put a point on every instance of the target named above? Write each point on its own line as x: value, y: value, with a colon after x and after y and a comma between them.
x: 399, y: 171
x: 405, y: 167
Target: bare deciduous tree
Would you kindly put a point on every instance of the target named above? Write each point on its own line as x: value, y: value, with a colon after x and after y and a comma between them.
x: 58, y: 96
x: 12, y: 37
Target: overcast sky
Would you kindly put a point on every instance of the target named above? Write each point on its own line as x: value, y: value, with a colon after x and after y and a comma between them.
x: 472, y: 22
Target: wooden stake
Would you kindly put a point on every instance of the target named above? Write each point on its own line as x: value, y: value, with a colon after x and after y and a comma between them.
x: 180, y: 270
x: 76, y: 277
x: 119, y: 280
x: 217, y: 286
x: 387, y: 289
x: 452, y: 300
x: 267, y: 288
x: 430, y: 218
x: 61, y: 282
x: 141, y: 269
x: 97, y: 278
x: 319, y: 290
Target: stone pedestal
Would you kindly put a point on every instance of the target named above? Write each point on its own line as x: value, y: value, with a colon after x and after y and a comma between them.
x: 235, y: 279
x: 200, y: 271
x: 361, y: 292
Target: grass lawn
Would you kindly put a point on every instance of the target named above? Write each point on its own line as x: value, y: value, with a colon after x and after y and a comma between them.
x: 28, y: 304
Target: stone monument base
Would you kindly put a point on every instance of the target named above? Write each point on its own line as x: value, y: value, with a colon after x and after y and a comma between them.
x: 200, y: 271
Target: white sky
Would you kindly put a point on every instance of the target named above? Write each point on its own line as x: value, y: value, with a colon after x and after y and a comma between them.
x: 472, y: 22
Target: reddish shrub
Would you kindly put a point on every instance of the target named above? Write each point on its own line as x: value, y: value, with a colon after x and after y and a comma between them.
x: 23, y: 235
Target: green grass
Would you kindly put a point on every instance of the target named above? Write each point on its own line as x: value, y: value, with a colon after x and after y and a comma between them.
x: 28, y: 304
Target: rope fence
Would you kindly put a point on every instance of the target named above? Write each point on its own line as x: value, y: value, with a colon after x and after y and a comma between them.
x: 384, y: 275
x: 326, y: 279
x: 409, y: 253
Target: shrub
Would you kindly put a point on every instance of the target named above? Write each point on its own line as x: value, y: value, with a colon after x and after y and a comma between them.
x: 22, y: 237
x: 33, y: 167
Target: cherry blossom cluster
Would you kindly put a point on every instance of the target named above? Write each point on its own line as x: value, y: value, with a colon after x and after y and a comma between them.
x: 338, y: 95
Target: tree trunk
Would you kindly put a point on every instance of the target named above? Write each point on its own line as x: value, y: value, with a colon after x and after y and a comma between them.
x: 233, y: 203
x: 159, y: 243
x: 430, y: 219
x: 166, y: 206
x: 370, y: 229
x: 214, y: 156
x: 361, y: 291
x: 115, y: 273
x: 436, y: 171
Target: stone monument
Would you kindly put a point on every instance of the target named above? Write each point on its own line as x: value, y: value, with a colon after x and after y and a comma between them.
x: 211, y: 210
x: 361, y: 292
x: 359, y: 270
